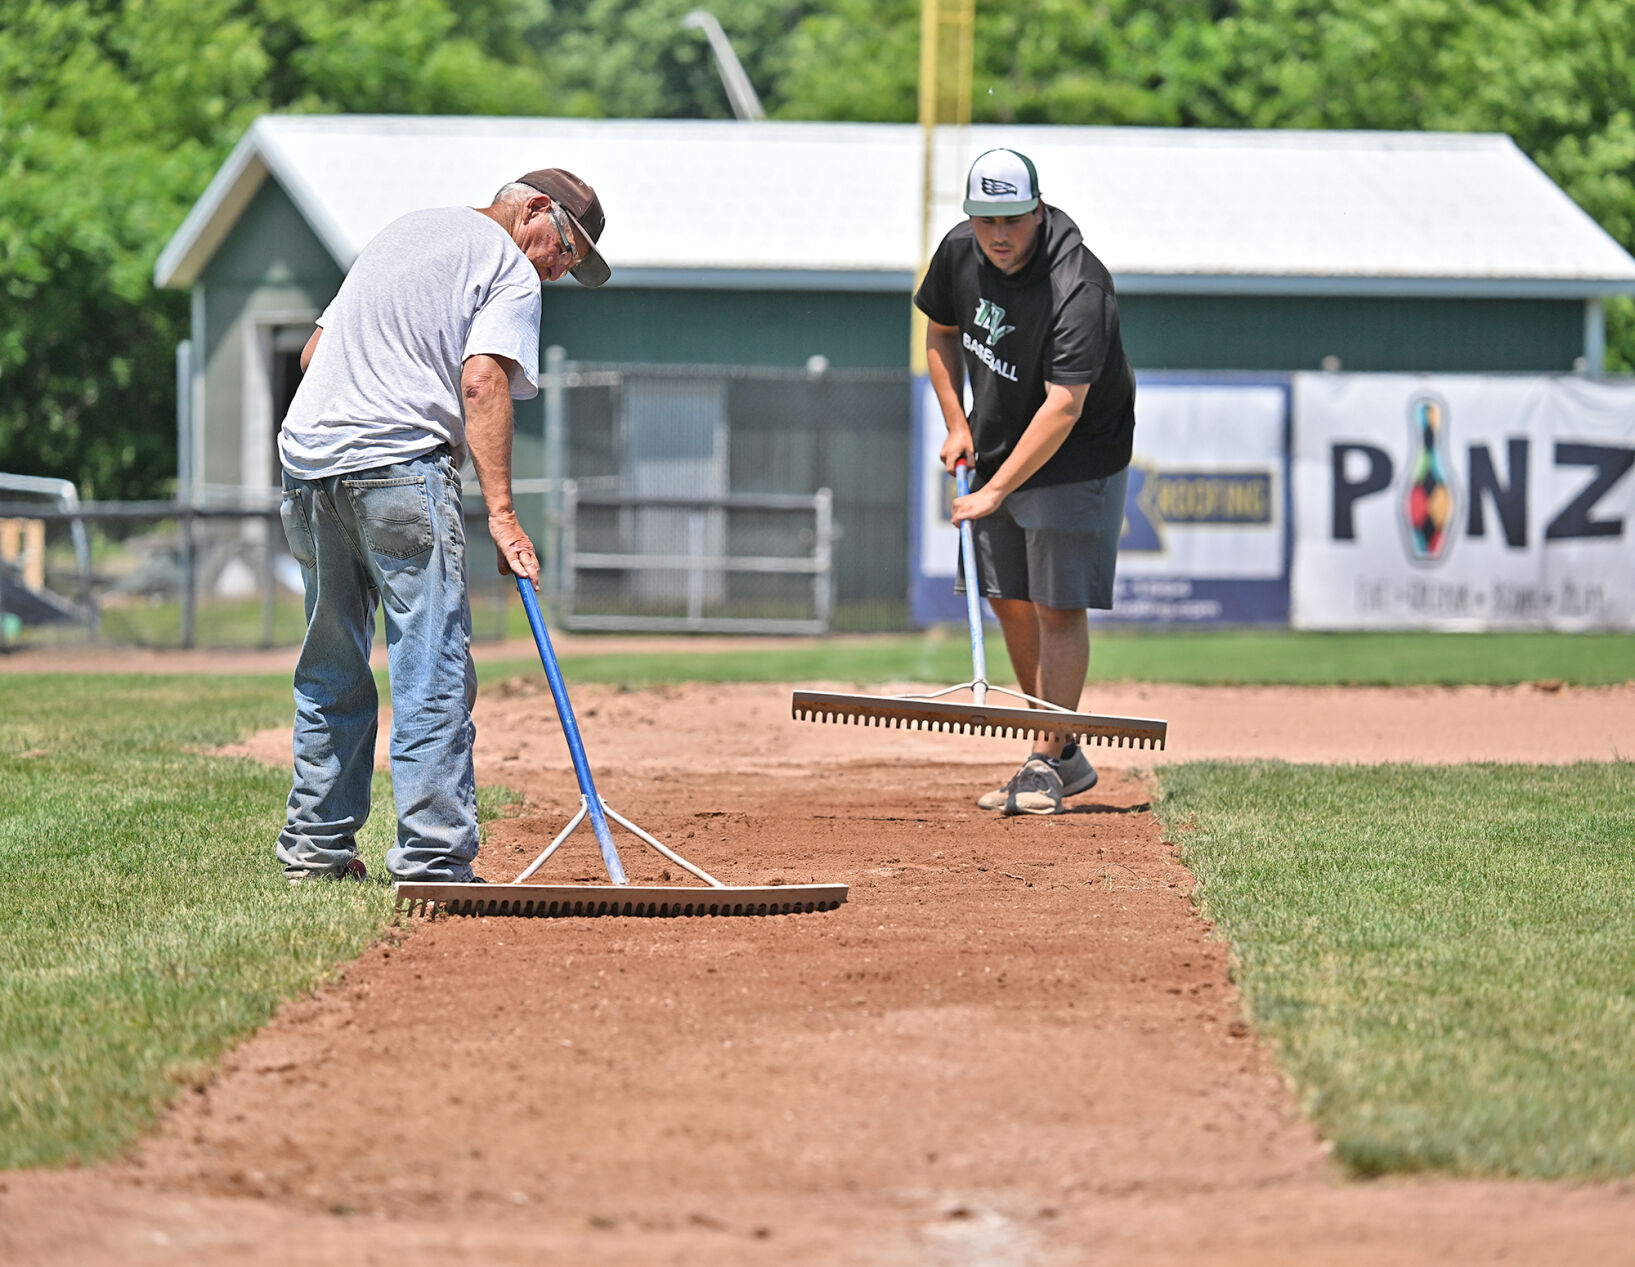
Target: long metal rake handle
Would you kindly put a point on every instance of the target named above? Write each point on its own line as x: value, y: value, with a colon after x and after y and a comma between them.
x: 973, y: 598
x: 570, y: 729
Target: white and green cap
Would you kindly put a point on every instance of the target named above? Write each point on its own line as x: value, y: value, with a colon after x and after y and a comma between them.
x: 1001, y: 183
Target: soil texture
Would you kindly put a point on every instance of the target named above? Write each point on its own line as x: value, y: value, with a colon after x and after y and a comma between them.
x: 1017, y: 1042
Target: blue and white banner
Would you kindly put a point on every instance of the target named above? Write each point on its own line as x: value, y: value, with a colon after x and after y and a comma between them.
x: 1205, y: 522
x: 1463, y: 502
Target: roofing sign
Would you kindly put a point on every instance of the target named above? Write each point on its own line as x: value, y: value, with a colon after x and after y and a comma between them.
x: 1205, y: 534
x: 1205, y: 531
x: 1463, y: 502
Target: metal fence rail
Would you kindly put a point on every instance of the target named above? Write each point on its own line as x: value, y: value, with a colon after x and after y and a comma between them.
x: 668, y: 564
x: 183, y: 551
x: 265, y: 539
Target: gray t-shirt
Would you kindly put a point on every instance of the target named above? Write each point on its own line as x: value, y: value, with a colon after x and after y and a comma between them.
x: 432, y: 289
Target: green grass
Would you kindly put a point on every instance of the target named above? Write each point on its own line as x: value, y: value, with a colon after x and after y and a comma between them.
x: 219, y: 624
x: 1443, y: 957
x: 1192, y: 657
x: 145, y: 923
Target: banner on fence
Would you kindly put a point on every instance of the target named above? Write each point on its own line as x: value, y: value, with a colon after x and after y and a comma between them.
x: 1462, y: 502
x: 1205, y: 521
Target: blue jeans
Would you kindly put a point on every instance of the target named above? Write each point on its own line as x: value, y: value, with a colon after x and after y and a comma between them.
x: 392, y: 534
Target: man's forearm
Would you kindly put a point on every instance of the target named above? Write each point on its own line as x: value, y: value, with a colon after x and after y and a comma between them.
x: 489, y: 424
x: 947, y: 373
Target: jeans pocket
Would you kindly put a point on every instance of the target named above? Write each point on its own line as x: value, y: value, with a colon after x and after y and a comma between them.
x: 297, y: 531
x: 394, y: 515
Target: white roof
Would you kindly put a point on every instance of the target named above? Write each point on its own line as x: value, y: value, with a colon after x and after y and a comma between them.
x: 837, y: 205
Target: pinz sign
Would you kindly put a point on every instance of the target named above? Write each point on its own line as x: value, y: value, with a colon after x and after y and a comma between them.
x: 1463, y: 502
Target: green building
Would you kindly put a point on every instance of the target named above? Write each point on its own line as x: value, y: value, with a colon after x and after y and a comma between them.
x: 794, y: 247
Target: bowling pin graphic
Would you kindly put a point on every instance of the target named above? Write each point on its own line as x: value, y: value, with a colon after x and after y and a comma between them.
x: 1429, y: 506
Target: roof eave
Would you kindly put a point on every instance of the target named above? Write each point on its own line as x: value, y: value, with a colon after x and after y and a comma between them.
x: 223, y: 201
x: 213, y: 215
x: 901, y: 281
x: 651, y: 277
x: 1582, y: 288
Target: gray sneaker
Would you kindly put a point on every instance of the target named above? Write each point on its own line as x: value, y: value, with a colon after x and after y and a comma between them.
x: 996, y: 799
x: 1037, y: 789
x: 1077, y: 774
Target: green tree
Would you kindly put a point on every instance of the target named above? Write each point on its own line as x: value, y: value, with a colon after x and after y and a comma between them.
x: 115, y: 117
x: 1555, y: 75
x: 632, y: 58
x: 114, y: 114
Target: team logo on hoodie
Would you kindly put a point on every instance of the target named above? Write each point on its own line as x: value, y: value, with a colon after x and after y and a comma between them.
x: 991, y: 317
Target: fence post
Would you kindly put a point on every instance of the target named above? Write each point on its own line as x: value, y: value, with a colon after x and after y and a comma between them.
x: 823, y: 580
x: 556, y: 463
x: 269, y: 580
x: 570, y: 547
x: 190, y: 580
x: 696, y: 544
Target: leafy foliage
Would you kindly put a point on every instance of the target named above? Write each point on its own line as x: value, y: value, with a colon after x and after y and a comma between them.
x: 116, y: 116
x: 1553, y: 74
x: 117, y: 113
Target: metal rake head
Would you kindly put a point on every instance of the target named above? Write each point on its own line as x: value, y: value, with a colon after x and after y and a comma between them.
x: 559, y: 901
x: 977, y: 719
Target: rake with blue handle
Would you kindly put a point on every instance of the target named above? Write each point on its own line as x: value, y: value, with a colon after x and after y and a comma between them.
x: 619, y: 897
x: 1036, y: 718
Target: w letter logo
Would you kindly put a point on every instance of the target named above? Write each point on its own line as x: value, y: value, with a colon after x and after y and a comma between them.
x: 996, y: 187
x: 991, y: 318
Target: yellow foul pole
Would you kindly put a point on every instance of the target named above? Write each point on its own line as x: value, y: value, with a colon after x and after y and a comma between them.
x: 946, y: 37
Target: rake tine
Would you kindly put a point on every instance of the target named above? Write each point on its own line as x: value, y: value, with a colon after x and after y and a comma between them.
x: 620, y: 897
x: 946, y: 717
x: 931, y: 712
x: 565, y: 900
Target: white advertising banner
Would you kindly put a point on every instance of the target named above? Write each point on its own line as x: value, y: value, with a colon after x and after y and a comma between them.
x: 1462, y: 502
x: 1205, y: 528
x: 1205, y: 531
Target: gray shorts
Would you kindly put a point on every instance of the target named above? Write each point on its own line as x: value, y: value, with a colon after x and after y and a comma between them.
x: 1056, y: 546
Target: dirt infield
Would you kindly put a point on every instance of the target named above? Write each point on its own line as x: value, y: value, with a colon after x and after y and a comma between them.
x: 1016, y: 1044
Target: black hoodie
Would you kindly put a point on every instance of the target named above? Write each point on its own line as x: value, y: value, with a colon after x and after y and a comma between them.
x: 1055, y: 320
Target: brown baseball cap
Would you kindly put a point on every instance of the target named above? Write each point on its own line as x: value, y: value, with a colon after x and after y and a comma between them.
x: 584, y: 209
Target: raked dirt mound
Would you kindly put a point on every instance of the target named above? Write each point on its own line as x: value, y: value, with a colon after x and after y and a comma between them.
x: 706, y: 730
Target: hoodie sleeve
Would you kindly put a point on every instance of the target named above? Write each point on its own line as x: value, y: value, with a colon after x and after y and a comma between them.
x: 935, y: 297
x: 1083, y: 333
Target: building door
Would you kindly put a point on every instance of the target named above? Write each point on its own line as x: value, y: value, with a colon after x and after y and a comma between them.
x: 286, y: 377
x: 272, y: 372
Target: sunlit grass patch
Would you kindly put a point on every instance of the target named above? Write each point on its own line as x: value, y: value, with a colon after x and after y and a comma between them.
x: 1443, y: 957
x: 1261, y: 657
x: 144, y: 921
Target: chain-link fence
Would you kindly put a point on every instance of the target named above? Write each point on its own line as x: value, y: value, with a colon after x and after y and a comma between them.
x: 661, y: 497
x: 155, y: 574
x: 657, y: 433
x: 149, y: 574
x: 742, y: 563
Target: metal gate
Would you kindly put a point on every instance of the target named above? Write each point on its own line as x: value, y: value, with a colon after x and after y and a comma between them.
x: 735, y: 563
